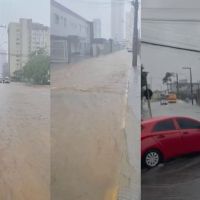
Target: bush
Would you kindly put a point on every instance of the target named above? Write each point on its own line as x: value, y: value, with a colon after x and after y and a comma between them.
x: 37, y: 69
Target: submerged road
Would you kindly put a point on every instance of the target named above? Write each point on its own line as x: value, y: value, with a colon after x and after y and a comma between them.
x: 24, y: 142
x: 95, y: 137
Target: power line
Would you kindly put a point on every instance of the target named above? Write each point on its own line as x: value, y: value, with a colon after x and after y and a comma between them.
x: 171, y: 8
x: 169, y: 20
x: 169, y: 46
x: 175, y: 40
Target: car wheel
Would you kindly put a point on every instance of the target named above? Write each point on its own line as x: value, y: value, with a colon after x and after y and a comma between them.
x: 152, y: 158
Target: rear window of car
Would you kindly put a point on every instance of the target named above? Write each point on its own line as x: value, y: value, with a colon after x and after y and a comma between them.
x: 188, y: 124
x: 165, y: 125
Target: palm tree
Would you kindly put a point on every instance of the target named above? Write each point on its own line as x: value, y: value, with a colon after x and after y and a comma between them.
x: 167, y: 79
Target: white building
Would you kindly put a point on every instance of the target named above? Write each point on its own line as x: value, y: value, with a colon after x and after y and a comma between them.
x: 2, y: 60
x: 97, y: 28
x: 117, y: 20
x: 129, y: 28
x: 71, y: 34
x: 24, y: 38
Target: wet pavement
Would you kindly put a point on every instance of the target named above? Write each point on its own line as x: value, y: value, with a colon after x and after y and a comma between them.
x: 180, y: 108
x: 24, y: 142
x: 177, y: 179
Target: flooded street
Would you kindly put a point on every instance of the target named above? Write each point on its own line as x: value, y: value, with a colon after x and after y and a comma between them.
x: 24, y: 142
x: 95, y: 135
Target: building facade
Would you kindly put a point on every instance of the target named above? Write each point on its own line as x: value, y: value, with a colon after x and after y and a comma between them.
x: 129, y: 28
x: 97, y: 28
x: 117, y: 20
x: 3, y: 60
x: 71, y: 34
x: 24, y: 38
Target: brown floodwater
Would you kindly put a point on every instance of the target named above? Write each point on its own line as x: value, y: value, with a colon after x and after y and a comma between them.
x: 24, y: 142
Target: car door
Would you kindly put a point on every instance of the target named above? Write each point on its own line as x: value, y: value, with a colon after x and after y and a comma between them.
x: 168, y: 137
x: 190, y: 131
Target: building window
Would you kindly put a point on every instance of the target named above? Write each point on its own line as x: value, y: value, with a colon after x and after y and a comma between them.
x: 65, y: 22
x: 56, y: 18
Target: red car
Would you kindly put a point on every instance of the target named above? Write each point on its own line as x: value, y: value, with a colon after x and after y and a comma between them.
x: 168, y: 137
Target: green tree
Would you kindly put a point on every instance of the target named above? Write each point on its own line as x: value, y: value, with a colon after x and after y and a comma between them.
x: 37, y: 69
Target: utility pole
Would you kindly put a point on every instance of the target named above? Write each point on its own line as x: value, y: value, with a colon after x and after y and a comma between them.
x: 191, y: 84
x: 135, y: 4
x: 177, y: 85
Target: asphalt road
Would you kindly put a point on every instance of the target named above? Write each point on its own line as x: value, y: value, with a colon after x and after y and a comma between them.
x: 180, y: 108
x: 24, y: 142
x: 177, y: 179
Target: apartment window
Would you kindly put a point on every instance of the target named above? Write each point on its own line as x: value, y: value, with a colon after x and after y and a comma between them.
x: 56, y: 18
x: 65, y: 22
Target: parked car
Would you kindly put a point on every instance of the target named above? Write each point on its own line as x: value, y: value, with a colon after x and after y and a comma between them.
x: 6, y: 80
x: 164, y: 138
x: 129, y: 49
x: 1, y: 80
x: 163, y: 102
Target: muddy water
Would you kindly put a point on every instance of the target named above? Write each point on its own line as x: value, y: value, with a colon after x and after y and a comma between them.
x: 24, y: 142
x: 95, y: 152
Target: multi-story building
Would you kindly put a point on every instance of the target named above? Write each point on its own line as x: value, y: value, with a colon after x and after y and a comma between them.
x: 117, y: 20
x: 24, y: 38
x: 129, y: 28
x: 97, y: 28
x: 2, y: 61
x: 71, y: 34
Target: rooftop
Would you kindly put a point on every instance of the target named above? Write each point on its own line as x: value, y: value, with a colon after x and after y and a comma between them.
x: 65, y: 9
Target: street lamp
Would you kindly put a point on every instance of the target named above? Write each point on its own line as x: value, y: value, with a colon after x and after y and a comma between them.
x: 191, y: 85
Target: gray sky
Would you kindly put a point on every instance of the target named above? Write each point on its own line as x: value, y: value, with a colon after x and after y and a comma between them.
x: 12, y: 10
x: 159, y: 60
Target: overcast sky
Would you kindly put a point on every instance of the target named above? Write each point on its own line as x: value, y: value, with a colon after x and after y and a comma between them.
x: 12, y: 10
x: 159, y: 60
